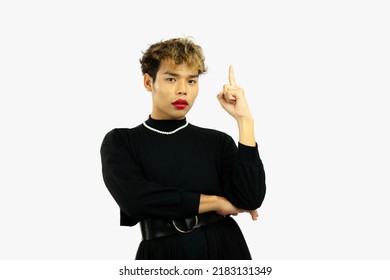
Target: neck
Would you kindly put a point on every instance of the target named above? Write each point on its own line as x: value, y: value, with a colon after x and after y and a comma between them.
x: 156, y: 115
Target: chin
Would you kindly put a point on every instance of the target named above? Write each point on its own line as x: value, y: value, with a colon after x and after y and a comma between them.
x: 179, y: 115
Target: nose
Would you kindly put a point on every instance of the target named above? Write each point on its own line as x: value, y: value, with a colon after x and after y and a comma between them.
x: 181, y: 88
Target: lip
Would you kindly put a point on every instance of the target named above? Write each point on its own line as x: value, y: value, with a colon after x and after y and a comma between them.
x: 180, y: 104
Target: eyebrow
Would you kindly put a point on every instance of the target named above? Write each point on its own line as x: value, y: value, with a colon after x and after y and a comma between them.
x: 176, y: 75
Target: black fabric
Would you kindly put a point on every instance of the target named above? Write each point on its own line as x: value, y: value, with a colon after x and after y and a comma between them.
x: 151, y: 175
x: 220, y: 241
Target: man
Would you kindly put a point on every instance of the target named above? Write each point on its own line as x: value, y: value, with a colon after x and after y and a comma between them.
x: 181, y: 182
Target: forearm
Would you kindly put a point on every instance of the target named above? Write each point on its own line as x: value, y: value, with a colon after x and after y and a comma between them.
x: 222, y: 206
x: 219, y: 204
x: 208, y: 203
x: 246, y: 131
x: 243, y: 176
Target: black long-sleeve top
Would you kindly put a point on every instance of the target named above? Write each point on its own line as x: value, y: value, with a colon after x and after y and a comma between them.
x: 152, y: 175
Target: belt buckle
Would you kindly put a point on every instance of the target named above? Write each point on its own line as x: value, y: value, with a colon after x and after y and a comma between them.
x: 188, y: 230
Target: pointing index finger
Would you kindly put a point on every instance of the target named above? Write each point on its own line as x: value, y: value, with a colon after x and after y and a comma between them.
x: 232, y: 80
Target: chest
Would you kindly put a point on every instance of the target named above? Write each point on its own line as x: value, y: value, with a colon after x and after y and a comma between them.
x: 193, y: 164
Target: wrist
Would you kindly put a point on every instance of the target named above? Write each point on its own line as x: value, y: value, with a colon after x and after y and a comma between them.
x: 246, y: 130
x: 245, y: 120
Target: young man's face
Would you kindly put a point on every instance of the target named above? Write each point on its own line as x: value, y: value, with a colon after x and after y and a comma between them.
x: 173, y: 92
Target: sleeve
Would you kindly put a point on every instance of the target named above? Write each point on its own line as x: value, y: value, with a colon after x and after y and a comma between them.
x: 137, y: 197
x: 243, y: 175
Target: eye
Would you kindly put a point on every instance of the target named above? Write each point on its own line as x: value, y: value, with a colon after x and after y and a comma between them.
x: 192, y: 82
x: 170, y: 79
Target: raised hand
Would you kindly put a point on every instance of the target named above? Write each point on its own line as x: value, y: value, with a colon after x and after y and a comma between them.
x: 232, y: 98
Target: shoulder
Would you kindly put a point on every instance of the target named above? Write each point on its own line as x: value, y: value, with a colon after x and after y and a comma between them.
x: 118, y: 135
x: 212, y: 134
x: 120, y: 142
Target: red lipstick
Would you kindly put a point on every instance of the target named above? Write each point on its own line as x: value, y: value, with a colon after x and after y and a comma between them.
x: 180, y: 104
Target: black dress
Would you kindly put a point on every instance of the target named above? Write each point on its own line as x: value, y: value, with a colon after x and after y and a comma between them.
x: 153, y: 175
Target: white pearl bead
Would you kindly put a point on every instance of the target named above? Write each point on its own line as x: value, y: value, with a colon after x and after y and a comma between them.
x: 165, y: 132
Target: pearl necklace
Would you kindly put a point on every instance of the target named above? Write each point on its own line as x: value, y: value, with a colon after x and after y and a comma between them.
x: 165, y: 132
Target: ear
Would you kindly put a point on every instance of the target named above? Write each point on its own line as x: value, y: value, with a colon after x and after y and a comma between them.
x: 148, y: 81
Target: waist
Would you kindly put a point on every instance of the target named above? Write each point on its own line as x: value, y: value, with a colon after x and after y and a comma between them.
x: 155, y: 228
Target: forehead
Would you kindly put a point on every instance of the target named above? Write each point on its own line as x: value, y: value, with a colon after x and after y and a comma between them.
x: 183, y: 68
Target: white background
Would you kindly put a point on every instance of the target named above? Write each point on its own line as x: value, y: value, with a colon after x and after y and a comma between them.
x: 316, y: 74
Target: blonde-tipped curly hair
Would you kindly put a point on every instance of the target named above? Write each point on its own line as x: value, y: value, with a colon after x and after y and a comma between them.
x: 176, y: 50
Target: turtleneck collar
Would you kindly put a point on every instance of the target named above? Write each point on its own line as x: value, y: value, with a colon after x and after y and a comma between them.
x: 165, y: 125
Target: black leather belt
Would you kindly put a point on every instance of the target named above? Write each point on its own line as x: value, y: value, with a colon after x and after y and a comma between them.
x: 154, y: 228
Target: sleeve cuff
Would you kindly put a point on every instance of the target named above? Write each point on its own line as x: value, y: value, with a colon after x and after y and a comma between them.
x: 248, y: 155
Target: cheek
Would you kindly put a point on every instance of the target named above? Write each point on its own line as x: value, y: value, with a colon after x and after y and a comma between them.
x: 163, y: 90
x: 160, y: 95
x: 194, y: 90
x: 195, y: 94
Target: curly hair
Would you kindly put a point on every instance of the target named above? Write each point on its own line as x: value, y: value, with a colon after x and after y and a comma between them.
x: 176, y: 50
